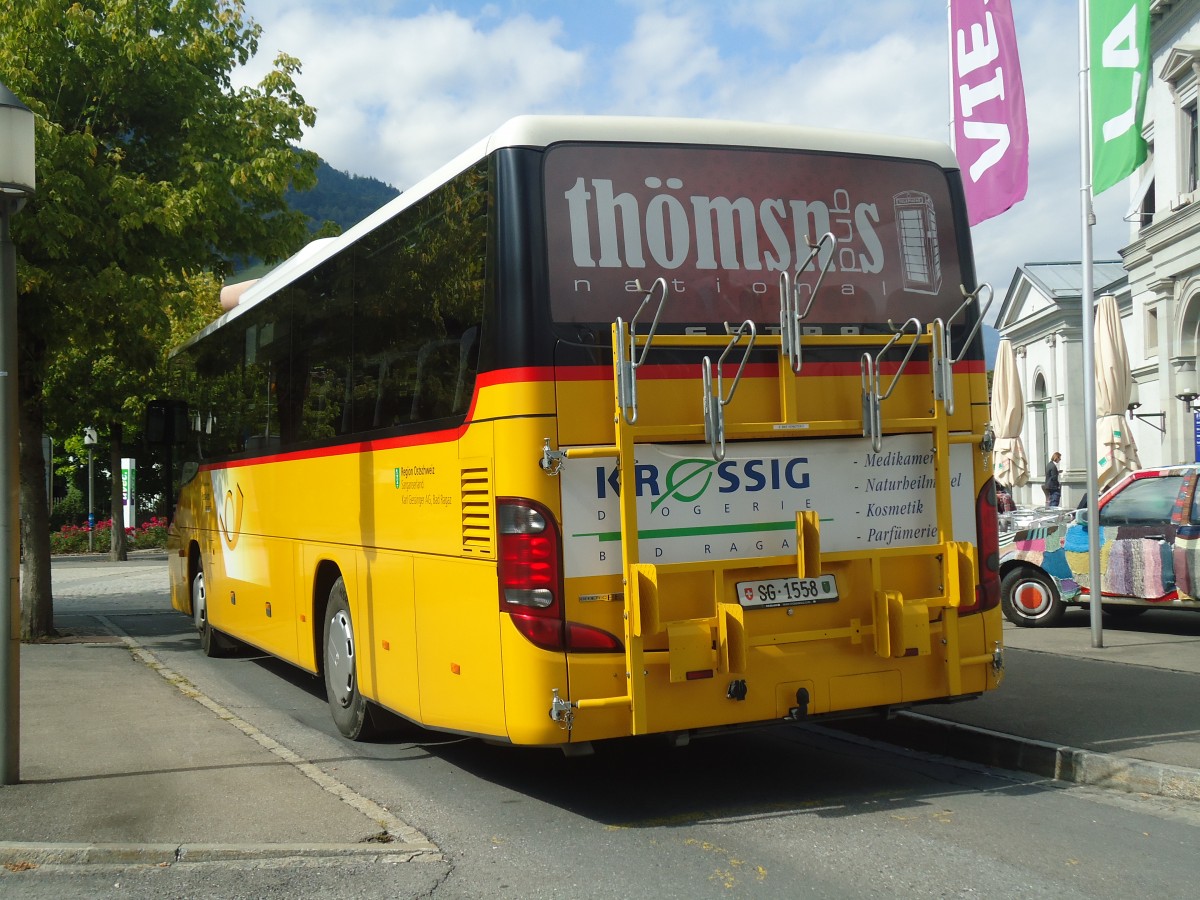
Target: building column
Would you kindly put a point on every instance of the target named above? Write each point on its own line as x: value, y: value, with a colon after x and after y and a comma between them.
x: 1022, y: 494
x: 1052, y: 431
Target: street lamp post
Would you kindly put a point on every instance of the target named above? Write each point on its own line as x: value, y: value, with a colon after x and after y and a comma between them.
x: 16, y: 185
x: 89, y: 440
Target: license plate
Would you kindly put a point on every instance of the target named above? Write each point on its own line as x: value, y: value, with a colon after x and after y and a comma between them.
x: 787, y: 591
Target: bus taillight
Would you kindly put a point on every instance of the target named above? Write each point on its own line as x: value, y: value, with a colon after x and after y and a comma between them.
x: 987, y: 525
x: 529, y: 558
x: 530, y: 574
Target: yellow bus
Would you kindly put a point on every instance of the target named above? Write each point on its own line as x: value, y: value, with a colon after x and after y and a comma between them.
x: 610, y: 427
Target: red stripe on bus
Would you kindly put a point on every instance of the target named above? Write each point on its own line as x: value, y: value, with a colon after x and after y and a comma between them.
x: 757, y: 370
x: 534, y: 374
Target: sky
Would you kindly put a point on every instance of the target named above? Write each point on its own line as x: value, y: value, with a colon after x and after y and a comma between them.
x: 401, y: 87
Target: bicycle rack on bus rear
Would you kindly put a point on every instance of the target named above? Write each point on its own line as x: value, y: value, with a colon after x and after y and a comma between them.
x: 901, y: 626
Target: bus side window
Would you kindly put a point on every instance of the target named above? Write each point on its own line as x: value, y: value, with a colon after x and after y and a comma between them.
x: 388, y: 383
x: 445, y: 377
x: 468, y: 366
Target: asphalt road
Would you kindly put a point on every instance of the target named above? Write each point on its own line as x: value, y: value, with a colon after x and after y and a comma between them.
x: 794, y: 812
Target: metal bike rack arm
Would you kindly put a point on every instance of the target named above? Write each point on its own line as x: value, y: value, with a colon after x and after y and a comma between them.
x: 869, y: 370
x: 716, y: 400
x: 790, y: 315
x: 940, y: 364
x: 628, y: 361
x: 943, y: 359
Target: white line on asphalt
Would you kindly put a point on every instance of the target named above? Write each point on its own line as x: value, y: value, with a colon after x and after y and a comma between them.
x: 397, y: 828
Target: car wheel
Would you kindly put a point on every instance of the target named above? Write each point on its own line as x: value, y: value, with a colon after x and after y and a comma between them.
x: 349, y: 707
x: 1030, y: 598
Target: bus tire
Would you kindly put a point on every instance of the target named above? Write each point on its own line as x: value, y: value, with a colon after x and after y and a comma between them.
x: 340, y: 664
x: 1030, y: 598
x: 212, y: 641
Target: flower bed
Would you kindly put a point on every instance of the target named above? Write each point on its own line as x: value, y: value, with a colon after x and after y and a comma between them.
x: 149, y: 535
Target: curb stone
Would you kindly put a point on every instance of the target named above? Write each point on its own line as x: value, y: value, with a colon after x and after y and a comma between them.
x: 1043, y: 758
x: 13, y: 853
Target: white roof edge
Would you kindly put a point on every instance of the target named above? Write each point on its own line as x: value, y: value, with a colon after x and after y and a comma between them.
x: 543, y: 131
x: 279, y: 274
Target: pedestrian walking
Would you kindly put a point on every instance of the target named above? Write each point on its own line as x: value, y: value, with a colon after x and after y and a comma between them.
x: 1052, y: 487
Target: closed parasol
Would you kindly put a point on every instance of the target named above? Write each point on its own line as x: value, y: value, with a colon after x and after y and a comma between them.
x: 1116, y: 450
x: 1009, y: 464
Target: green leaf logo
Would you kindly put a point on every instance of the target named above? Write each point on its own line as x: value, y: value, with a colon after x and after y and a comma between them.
x: 681, y: 474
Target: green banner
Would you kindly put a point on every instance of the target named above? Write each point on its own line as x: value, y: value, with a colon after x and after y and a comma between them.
x: 1119, y: 47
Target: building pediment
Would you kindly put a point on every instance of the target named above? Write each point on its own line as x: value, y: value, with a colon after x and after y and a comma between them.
x: 1039, y: 289
x: 1180, y: 63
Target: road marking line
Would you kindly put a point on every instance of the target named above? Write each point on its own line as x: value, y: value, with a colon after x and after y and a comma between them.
x: 397, y: 828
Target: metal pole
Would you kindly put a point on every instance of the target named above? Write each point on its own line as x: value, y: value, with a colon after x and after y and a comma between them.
x: 950, y: 71
x: 17, y: 178
x: 10, y: 537
x: 91, y: 505
x: 1087, y: 323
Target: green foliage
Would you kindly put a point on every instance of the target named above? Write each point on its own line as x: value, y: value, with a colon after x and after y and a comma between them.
x: 153, y: 170
x: 72, y: 508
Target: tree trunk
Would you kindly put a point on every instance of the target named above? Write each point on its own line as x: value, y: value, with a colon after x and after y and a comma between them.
x: 37, y: 599
x: 117, y: 549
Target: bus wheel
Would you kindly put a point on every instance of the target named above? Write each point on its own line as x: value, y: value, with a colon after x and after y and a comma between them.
x: 212, y: 642
x: 1030, y: 599
x: 350, y: 712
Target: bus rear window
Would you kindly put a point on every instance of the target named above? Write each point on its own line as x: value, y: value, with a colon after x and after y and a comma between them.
x: 721, y: 225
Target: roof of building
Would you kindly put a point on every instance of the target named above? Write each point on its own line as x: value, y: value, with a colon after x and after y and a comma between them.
x: 1065, y: 279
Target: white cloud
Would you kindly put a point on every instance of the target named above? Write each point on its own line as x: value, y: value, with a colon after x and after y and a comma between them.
x: 402, y: 87
x: 881, y: 88
x: 396, y: 97
x: 668, y: 66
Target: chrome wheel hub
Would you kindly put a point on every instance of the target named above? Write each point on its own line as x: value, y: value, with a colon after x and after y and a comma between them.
x: 339, y: 658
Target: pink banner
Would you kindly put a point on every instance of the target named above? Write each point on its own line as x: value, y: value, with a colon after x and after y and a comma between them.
x: 991, y: 136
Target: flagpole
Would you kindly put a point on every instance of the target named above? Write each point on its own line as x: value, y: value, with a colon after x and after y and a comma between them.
x: 1087, y: 321
x: 950, y: 71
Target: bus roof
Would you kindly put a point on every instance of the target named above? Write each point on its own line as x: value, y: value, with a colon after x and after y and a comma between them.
x: 545, y: 131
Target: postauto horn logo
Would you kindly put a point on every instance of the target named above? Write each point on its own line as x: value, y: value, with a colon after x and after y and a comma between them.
x: 687, y: 480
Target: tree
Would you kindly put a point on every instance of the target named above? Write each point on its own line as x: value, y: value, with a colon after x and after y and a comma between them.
x: 153, y: 171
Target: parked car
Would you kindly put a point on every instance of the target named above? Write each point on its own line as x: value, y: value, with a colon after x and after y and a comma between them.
x: 1025, y: 518
x: 1149, y: 523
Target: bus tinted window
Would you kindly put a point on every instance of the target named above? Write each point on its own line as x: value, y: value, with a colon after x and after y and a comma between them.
x: 722, y: 224
x: 320, y: 395
x: 384, y: 336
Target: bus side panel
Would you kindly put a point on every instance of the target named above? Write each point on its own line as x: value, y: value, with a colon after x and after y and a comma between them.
x: 530, y: 677
x: 261, y: 574
x: 252, y: 595
x: 388, y: 672
x: 311, y: 621
x: 531, y: 674
x: 458, y: 661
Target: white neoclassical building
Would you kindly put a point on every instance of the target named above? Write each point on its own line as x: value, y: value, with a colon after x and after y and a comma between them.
x: 1041, y: 315
x: 1156, y: 283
